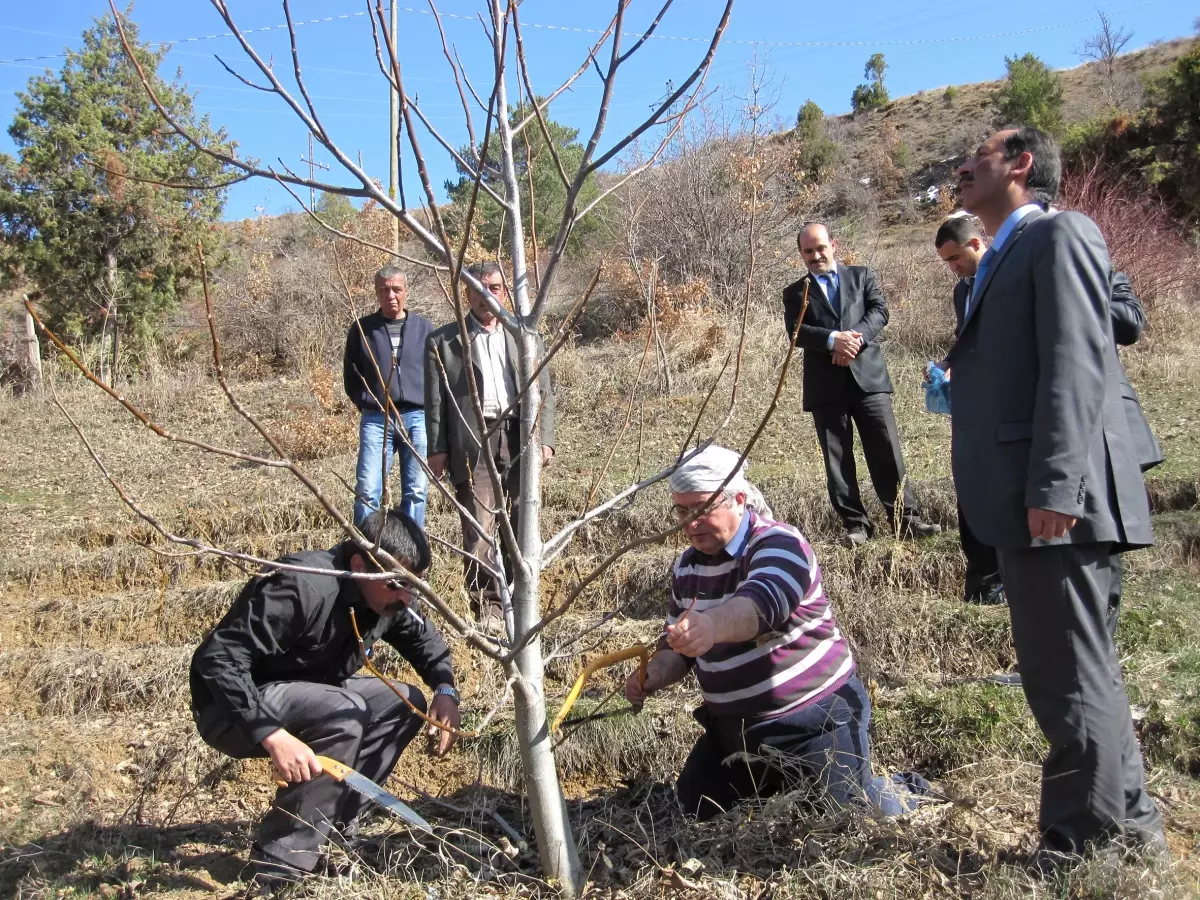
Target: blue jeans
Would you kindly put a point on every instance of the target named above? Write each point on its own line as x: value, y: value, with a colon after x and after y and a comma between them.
x: 824, y: 744
x: 375, y: 461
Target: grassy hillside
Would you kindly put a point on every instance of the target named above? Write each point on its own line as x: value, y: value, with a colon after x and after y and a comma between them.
x: 936, y: 126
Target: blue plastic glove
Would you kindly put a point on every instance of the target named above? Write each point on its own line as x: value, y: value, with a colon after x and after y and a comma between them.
x: 937, y: 389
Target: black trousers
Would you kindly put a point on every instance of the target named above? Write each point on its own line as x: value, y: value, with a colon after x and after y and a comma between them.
x: 1093, y: 787
x: 361, y: 723
x: 477, y: 496
x: 876, y: 423
x: 983, y: 569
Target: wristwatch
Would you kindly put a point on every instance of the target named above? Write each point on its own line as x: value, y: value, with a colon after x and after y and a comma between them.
x: 447, y: 690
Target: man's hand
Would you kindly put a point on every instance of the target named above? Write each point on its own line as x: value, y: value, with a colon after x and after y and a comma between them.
x: 547, y: 455
x: 847, y: 343
x: 293, y: 759
x: 693, y: 635
x: 636, y: 690
x: 841, y: 359
x: 437, y: 463
x: 443, y: 709
x: 1048, y: 524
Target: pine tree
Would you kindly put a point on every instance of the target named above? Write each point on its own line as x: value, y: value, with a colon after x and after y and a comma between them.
x: 1031, y: 95
x: 100, y: 245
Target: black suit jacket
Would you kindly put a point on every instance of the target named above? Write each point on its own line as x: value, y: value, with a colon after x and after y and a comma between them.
x: 962, y: 290
x: 863, y: 309
x: 1128, y: 320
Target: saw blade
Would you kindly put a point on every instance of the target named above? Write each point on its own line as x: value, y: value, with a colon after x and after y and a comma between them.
x: 373, y: 792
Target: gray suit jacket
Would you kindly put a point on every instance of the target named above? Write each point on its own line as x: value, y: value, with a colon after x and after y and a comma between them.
x: 1039, y: 421
x: 862, y: 309
x: 450, y: 422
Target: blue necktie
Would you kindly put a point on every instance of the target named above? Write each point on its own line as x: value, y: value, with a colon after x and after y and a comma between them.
x: 986, y: 260
x: 829, y: 283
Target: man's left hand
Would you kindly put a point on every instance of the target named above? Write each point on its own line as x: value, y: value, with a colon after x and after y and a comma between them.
x: 547, y: 455
x: 694, y: 635
x: 443, y: 709
x: 1048, y: 524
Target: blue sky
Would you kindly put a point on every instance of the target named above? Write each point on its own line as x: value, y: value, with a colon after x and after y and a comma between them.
x: 927, y: 44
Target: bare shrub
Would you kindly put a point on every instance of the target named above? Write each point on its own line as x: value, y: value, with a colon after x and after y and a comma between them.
x: 1143, y: 239
x: 290, y: 289
x: 695, y: 212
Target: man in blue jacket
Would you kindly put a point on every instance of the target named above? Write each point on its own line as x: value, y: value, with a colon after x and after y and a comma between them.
x: 384, y: 365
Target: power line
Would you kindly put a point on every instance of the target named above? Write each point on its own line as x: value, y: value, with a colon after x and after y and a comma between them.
x: 631, y: 34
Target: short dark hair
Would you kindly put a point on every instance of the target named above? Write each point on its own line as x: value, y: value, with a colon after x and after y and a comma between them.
x: 482, y: 269
x: 960, y: 229
x: 399, y: 535
x: 1046, y: 172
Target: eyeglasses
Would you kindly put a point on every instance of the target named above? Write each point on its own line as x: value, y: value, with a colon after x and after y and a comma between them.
x: 698, y: 510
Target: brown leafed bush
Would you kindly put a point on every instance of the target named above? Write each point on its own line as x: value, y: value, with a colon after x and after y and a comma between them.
x: 1144, y: 241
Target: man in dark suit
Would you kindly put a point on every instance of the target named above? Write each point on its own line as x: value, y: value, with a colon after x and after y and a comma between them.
x: 846, y: 384
x: 960, y: 243
x: 1047, y: 473
x: 455, y: 437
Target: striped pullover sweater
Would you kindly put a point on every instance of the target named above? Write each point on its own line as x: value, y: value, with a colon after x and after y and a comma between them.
x: 800, y: 655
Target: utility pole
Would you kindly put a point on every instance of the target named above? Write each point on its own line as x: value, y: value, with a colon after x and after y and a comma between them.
x: 313, y: 165
x: 394, y: 134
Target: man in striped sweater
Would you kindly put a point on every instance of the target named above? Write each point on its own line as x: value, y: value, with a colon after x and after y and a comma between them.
x: 748, y: 614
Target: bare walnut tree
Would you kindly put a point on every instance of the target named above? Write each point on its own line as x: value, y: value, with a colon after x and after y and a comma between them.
x: 489, y: 95
x: 1104, y: 47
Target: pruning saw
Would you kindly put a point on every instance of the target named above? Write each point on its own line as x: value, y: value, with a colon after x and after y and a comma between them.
x: 369, y: 789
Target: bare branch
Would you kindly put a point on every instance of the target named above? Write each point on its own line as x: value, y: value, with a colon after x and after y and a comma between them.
x: 458, y: 82
x: 557, y: 92
x: 174, y: 185
x: 654, y: 118
x: 138, y: 413
x: 646, y: 35
x: 265, y: 88
x: 425, y: 264
x: 523, y: 65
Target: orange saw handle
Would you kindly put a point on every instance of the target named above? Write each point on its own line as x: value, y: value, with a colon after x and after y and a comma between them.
x: 331, y: 767
x: 603, y: 662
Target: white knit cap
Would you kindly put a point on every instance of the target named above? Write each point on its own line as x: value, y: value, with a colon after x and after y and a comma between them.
x: 707, y: 471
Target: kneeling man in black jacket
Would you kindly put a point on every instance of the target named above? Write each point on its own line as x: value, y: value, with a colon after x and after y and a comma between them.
x: 276, y: 677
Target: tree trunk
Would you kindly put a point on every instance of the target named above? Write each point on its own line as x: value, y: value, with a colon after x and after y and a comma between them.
x: 33, y: 356
x: 556, y: 846
x: 110, y: 315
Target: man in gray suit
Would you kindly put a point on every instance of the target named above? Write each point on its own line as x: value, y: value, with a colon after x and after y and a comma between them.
x: 961, y: 244
x: 846, y: 384
x: 1047, y: 473
x: 454, y: 436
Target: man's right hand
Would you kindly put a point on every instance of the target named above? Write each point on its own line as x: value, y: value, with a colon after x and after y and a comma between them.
x: 437, y: 463
x: 293, y: 759
x: 846, y: 344
x: 635, y: 691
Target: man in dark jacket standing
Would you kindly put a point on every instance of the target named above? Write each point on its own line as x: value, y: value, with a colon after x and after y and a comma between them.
x: 384, y: 358
x: 846, y: 384
x: 276, y: 678
x: 455, y: 437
